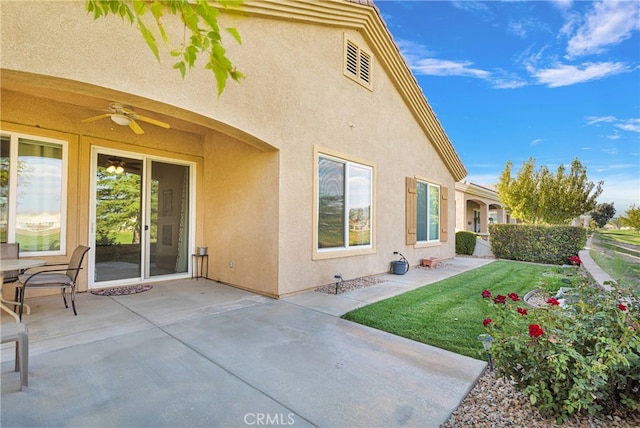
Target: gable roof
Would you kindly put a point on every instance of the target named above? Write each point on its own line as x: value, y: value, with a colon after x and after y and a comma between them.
x: 363, y: 16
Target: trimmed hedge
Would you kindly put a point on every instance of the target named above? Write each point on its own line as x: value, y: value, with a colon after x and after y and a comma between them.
x: 536, y: 243
x: 465, y: 242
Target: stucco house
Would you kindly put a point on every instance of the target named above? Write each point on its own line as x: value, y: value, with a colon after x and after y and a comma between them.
x: 477, y: 207
x: 325, y: 159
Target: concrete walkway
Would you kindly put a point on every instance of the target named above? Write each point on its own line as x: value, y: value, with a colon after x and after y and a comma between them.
x: 198, y: 353
x: 603, y: 279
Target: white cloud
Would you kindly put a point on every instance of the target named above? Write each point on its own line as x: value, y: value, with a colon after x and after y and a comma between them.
x: 592, y: 120
x: 632, y: 125
x: 443, y: 67
x: 471, y: 6
x: 562, y: 4
x: 415, y: 54
x: 508, y: 83
x: 608, y: 23
x: 518, y: 28
x: 564, y: 75
x: 536, y: 142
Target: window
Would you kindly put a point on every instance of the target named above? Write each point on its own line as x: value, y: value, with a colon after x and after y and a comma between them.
x: 428, y: 215
x: 426, y: 221
x: 357, y: 64
x: 32, y: 193
x: 345, y: 195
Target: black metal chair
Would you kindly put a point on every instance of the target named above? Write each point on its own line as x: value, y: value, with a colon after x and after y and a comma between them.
x: 62, y: 278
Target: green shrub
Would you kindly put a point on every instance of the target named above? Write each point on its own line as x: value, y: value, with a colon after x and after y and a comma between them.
x: 536, y: 243
x: 584, y: 356
x: 465, y: 242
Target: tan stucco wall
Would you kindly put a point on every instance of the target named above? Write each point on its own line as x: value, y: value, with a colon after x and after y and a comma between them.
x: 255, y: 189
x: 31, y: 115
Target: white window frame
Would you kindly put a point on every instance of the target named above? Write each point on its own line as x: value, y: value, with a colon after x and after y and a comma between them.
x: 14, y: 138
x: 428, y: 213
x: 346, y: 250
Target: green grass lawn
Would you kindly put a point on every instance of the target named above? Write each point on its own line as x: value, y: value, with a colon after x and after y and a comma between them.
x: 621, y: 263
x: 449, y: 314
x: 624, y: 236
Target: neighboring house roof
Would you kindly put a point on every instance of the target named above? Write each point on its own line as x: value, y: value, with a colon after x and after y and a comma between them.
x: 363, y: 16
x: 473, y: 189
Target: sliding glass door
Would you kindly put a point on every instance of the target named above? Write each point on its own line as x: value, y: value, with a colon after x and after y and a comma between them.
x: 140, y: 219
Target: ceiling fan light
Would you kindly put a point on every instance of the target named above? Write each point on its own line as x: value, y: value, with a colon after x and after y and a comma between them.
x: 119, y: 169
x: 121, y: 119
x: 111, y: 169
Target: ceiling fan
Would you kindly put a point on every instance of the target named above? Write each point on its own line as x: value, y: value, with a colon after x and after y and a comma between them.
x: 125, y: 116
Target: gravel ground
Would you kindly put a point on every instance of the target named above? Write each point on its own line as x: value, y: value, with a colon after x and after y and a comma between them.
x: 494, y: 402
x: 350, y: 285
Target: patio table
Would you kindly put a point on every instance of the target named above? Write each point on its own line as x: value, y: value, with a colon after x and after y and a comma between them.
x: 19, y: 265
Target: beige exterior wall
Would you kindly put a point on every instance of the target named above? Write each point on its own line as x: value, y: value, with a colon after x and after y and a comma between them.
x: 254, y: 146
x: 471, y: 199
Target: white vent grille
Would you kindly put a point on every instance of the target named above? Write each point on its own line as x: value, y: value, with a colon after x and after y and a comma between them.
x: 357, y: 64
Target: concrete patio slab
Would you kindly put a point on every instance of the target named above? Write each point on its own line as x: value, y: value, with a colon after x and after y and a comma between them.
x: 199, y: 353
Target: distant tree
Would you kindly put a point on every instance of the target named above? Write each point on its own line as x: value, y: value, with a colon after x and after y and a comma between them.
x: 602, y: 213
x: 202, y: 33
x: 632, y: 218
x: 542, y: 197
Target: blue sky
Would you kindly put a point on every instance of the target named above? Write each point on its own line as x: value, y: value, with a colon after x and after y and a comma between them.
x: 510, y: 80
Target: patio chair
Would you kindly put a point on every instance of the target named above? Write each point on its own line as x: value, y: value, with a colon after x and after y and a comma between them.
x: 10, y: 251
x: 18, y: 333
x: 62, y: 278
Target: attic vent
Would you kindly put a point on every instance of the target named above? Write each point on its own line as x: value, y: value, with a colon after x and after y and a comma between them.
x: 357, y: 65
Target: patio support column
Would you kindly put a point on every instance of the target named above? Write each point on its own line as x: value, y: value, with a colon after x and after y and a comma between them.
x: 484, y: 218
x: 500, y: 213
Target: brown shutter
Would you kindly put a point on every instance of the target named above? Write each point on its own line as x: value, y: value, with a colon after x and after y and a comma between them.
x: 444, y: 214
x: 411, y: 214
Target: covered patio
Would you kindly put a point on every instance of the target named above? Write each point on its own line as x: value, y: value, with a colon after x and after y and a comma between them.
x: 200, y: 353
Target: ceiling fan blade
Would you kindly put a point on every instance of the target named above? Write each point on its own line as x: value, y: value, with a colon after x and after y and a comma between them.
x: 135, y: 127
x: 91, y: 119
x: 152, y: 121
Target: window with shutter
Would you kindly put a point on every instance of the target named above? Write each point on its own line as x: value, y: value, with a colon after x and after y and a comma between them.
x: 423, y: 212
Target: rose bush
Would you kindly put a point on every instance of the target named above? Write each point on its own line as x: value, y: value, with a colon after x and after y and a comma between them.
x: 583, y: 357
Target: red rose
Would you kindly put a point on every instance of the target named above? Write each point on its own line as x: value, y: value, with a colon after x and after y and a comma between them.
x: 522, y: 311
x: 513, y: 296
x: 553, y: 301
x: 622, y: 307
x: 500, y: 299
x: 486, y: 294
x: 486, y: 322
x: 535, y: 330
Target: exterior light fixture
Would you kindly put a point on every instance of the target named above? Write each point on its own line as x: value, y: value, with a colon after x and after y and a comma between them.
x: 338, y: 279
x: 115, y: 166
x: 487, y: 340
